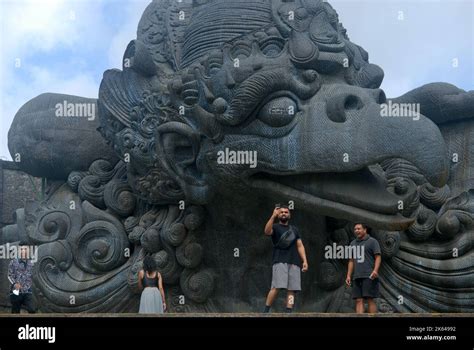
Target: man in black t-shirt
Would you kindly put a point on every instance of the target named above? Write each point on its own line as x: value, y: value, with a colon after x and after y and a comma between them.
x: 366, y: 270
x: 289, y: 258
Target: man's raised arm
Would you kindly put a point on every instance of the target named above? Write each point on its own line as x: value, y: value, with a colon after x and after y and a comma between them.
x: 269, y: 226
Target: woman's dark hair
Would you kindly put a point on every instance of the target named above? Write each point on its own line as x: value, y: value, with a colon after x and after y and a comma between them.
x: 149, y: 264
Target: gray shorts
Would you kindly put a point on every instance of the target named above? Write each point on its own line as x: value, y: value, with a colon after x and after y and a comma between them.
x: 286, y: 276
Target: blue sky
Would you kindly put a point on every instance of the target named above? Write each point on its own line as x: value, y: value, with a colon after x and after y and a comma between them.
x: 65, y: 45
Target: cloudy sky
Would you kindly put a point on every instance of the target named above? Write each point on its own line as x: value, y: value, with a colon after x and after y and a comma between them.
x: 65, y: 45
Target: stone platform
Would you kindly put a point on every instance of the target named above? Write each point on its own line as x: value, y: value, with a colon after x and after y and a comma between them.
x: 244, y: 315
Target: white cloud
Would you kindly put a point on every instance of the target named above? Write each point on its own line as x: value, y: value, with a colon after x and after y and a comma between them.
x: 37, y: 25
x: 127, y: 32
x: 414, y: 42
x: 66, y: 32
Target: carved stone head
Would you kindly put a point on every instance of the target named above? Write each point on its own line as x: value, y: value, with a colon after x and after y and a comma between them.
x: 278, y: 81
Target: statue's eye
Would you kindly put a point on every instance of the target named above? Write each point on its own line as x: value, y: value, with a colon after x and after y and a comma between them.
x: 128, y: 140
x: 272, y: 47
x: 241, y: 50
x: 278, y: 112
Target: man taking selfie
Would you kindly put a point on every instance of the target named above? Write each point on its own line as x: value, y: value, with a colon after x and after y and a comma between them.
x: 289, y: 257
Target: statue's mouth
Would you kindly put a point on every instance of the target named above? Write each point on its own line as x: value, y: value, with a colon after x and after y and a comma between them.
x: 354, y: 196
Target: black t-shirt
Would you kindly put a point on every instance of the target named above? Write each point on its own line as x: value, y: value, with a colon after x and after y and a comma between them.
x: 289, y: 255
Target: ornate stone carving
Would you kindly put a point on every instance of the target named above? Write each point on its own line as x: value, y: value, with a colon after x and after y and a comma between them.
x: 280, y: 78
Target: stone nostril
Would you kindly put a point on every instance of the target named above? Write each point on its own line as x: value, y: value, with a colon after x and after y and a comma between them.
x: 338, y: 106
x: 336, y: 113
x: 352, y: 102
x: 379, y: 96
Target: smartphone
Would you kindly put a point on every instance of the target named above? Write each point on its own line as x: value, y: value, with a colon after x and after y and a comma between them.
x: 277, y: 206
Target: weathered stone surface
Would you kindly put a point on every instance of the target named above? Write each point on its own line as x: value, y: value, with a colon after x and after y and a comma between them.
x: 16, y: 187
x: 52, y: 146
x: 241, y: 76
x: 441, y: 102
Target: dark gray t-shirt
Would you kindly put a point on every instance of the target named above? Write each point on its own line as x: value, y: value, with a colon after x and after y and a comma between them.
x: 371, y: 249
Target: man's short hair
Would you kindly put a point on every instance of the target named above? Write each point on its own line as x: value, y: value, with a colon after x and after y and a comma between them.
x: 365, y: 226
x: 284, y: 207
x: 23, y: 243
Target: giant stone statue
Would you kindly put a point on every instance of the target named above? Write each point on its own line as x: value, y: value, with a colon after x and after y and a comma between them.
x: 279, y: 78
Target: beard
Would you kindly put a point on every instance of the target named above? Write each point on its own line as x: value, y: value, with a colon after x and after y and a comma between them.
x: 284, y: 220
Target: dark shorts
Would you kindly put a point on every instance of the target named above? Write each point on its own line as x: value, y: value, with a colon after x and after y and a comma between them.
x: 365, y: 288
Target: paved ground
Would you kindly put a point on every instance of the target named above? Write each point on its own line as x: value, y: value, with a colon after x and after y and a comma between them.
x: 246, y: 315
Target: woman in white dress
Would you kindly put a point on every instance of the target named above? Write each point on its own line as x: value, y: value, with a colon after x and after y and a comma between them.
x: 153, y: 296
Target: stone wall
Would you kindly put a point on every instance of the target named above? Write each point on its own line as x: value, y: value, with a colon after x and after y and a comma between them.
x: 16, y: 187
